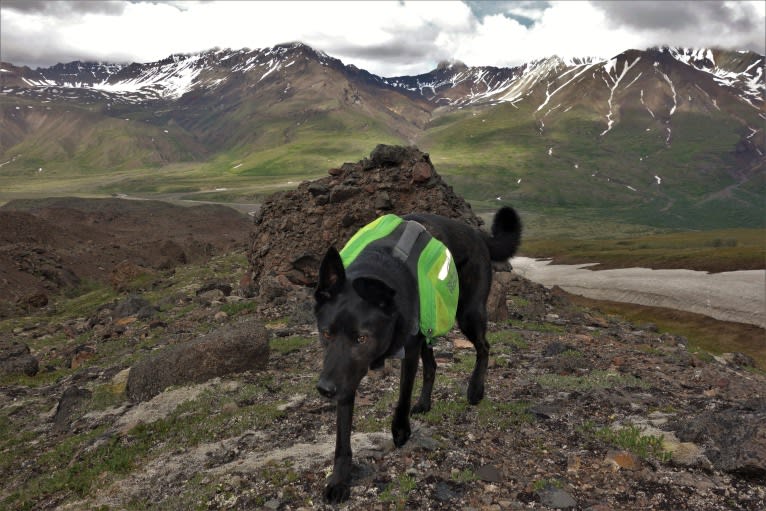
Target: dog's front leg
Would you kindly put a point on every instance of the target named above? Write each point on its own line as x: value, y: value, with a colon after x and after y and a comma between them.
x: 400, y: 427
x: 338, y: 486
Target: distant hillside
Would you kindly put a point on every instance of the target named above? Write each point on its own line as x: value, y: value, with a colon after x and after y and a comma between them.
x: 665, y: 137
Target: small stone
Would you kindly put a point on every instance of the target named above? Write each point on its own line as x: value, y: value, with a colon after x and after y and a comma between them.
x: 229, y: 408
x: 462, y: 344
x: 556, y: 498
x: 422, y: 172
x: 489, y: 473
x: 623, y: 460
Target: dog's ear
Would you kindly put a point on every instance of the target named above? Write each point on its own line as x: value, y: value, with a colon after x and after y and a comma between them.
x: 376, y: 292
x: 332, y: 276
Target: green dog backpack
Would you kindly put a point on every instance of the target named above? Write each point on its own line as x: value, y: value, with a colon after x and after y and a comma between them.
x: 429, y: 261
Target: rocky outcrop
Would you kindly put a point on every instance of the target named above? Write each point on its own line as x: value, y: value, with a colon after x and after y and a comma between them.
x: 238, y: 347
x: 294, y: 229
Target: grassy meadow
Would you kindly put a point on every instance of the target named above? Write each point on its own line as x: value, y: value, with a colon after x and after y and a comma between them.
x: 714, y: 251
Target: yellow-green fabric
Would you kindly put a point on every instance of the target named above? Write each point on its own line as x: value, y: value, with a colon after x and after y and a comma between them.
x: 375, y: 230
x: 433, y: 268
x: 439, y: 289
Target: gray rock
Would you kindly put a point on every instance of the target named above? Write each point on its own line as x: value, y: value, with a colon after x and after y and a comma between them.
x: 16, y: 359
x: 734, y: 439
x: 68, y: 406
x: 131, y: 306
x: 388, y: 155
x: 497, y: 308
x: 490, y: 474
x: 234, y: 348
x: 556, y: 498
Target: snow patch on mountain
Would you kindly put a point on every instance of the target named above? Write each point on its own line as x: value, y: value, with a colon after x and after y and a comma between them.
x: 609, y: 67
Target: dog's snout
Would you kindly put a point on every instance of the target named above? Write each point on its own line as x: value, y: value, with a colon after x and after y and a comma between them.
x: 326, y: 388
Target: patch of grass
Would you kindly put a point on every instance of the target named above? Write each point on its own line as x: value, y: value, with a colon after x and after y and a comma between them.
x: 74, y: 466
x: 503, y: 416
x: 534, y: 326
x: 714, y: 251
x: 198, y: 492
x: 705, y: 334
x: 507, y: 338
x: 464, y: 476
x: 398, y: 491
x: 278, y: 473
x: 286, y: 345
x: 235, y: 308
x: 593, y: 380
x: 79, y: 462
x: 379, y: 416
x: 545, y: 483
x: 86, y: 303
x: 446, y: 411
x: 628, y: 438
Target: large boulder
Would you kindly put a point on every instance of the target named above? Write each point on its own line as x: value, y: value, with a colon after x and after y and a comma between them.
x: 734, y: 439
x: 294, y: 229
x: 235, y: 348
x: 16, y: 359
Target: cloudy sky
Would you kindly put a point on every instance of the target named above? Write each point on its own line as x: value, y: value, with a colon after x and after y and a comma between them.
x: 388, y: 38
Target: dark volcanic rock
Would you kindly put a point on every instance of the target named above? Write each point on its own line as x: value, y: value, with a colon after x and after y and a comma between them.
x: 295, y: 228
x: 235, y: 348
x: 734, y: 438
x: 70, y: 402
x: 16, y: 359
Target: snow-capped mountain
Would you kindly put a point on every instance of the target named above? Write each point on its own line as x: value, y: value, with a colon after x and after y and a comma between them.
x: 637, y: 119
x: 167, y: 79
x: 452, y: 84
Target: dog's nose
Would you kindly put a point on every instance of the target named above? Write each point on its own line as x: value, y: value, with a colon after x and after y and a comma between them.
x: 326, y: 388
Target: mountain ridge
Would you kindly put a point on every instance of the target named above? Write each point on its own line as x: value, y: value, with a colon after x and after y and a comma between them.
x: 288, y: 110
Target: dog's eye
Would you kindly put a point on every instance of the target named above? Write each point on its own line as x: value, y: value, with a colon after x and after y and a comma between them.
x: 361, y: 339
x: 327, y: 335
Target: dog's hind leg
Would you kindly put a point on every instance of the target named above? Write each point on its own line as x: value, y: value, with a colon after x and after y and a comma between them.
x: 429, y: 374
x: 400, y: 426
x: 473, y: 323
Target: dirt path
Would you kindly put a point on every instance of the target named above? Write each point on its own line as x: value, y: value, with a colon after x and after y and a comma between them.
x: 738, y: 296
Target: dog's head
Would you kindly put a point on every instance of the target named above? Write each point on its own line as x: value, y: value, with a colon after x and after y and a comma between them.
x: 356, y: 320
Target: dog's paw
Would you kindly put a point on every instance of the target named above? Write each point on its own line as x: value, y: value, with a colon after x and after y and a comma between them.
x: 336, y: 493
x: 420, y: 407
x: 401, y: 434
x: 475, y: 393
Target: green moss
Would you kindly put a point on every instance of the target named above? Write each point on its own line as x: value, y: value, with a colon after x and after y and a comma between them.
x: 397, y: 491
x: 593, y: 380
x: 507, y: 338
x: 286, y: 345
x: 503, y: 416
x: 629, y: 438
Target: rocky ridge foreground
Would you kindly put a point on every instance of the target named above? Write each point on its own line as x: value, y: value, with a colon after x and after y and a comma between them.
x: 582, y: 411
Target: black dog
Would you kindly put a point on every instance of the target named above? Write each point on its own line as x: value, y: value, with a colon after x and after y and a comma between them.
x: 365, y: 314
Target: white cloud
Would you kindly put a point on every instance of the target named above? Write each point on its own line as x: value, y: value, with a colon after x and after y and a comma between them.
x: 386, y: 38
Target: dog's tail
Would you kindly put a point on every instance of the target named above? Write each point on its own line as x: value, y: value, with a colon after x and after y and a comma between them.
x: 506, y: 234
